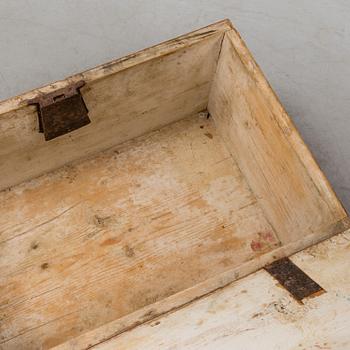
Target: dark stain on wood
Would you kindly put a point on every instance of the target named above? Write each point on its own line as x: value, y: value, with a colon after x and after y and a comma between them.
x: 102, y: 221
x: 129, y: 252
x: 34, y: 245
x: 295, y: 280
x: 44, y: 266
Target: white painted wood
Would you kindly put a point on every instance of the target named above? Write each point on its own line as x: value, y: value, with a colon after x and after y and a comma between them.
x: 256, y: 313
x: 93, y: 249
x: 184, y: 298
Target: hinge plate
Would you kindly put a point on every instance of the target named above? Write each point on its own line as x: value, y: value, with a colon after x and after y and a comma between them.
x: 61, y: 111
x: 295, y: 280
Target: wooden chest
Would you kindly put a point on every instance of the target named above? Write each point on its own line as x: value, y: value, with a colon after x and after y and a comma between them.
x: 160, y: 177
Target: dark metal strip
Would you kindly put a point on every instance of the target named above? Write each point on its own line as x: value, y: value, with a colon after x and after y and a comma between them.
x: 61, y: 111
x: 295, y: 280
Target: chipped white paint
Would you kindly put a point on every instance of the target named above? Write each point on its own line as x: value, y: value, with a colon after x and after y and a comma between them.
x: 103, y: 244
x: 256, y: 313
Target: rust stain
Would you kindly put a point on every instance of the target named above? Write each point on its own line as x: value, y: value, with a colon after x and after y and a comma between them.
x: 110, y: 241
x: 264, y: 242
x: 256, y: 246
x: 316, y: 294
x: 61, y: 111
x: 267, y: 237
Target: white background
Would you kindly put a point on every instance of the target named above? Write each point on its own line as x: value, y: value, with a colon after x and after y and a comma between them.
x: 303, y: 46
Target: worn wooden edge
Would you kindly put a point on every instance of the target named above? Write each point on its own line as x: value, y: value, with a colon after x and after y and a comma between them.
x: 180, y: 300
x: 257, y: 308
x: 104, y: 70
x: 286, y: 124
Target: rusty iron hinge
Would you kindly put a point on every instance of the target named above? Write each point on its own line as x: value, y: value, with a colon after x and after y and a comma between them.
x: 61, y: 111
x: 295, y: 280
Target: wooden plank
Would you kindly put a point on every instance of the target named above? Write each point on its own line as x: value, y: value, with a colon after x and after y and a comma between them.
x: 120, y: 64
x: 184, y: 298
x: 152, y: 88
x: 286, y: 124
x: 146, y: 228
x: 290, y: 188
x: 100, y: 239
x: 256, y: 310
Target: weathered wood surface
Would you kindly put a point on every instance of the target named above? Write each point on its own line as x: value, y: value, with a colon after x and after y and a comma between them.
x: 257, y: 313
x: 126, y: 98
x: 101, y: 245
x: 95, y: 241
x: 290, y: 188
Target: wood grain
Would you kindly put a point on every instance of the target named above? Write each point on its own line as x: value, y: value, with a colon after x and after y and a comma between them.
x: 255, y: 309
x: 166, y: 83
x: 113, y: 239
x: 292, y: 192
x: 95, y: 241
